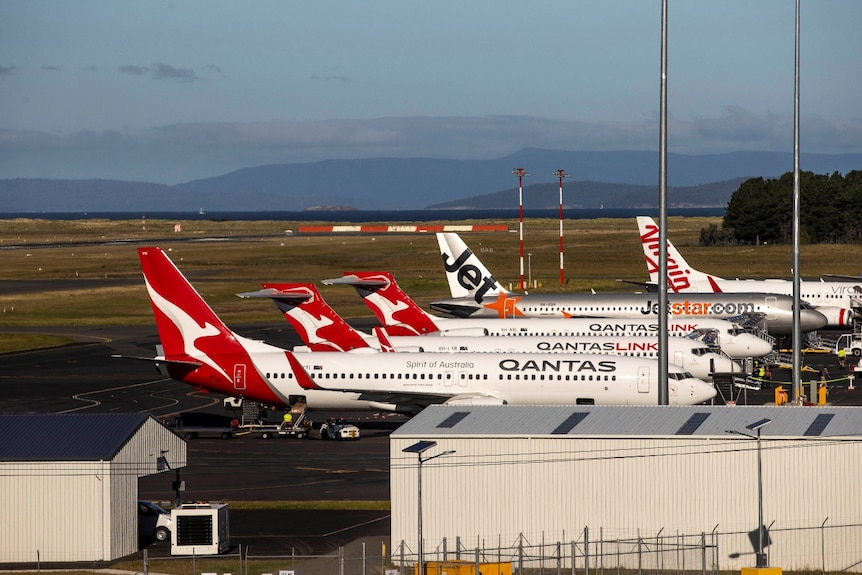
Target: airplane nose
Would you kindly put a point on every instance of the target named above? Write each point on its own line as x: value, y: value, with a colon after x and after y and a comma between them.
x: 812, y: 320
x: 757, y: 347
x: 699, y: 392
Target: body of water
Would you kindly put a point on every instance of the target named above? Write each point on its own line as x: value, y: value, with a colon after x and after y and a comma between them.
x: 361, y: 216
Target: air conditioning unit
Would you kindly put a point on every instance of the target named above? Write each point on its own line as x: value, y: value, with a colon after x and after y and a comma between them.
x: 200, y: 529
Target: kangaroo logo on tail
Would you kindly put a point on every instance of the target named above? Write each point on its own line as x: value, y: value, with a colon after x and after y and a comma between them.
x: 319, y: 326
x: 467, y: 275
x: 199, y: 348
x: 391, y: 306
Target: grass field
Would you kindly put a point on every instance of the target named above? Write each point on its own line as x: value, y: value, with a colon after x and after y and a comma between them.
x: 87, y: 272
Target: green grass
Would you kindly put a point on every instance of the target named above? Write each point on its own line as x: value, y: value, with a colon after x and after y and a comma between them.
x: 94, y: 283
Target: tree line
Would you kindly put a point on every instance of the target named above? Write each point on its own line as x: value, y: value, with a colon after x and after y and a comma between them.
x: 761, y: 211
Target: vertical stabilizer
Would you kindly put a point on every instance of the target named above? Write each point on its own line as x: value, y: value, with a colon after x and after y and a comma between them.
x: 190, y: 331
x: 466, y: 274
x: 319, y: 326
x: 393, y: 308
x: 681, y: 277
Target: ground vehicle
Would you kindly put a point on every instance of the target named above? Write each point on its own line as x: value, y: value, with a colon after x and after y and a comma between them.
x: 153, y: 521
x: 851, y: 343
x: 338, y: 429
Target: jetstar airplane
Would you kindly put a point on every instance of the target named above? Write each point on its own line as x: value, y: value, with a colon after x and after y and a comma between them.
x: 400, y: 315
x: 199, y: 349
x: 834, y: 299
x: 322, y: 329
x: 475, y: 293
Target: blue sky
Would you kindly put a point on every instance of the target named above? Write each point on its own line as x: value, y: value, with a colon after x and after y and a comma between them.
x: 170, y: 91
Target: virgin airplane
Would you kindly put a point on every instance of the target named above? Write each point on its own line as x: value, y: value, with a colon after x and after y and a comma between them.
x: 834, y: 299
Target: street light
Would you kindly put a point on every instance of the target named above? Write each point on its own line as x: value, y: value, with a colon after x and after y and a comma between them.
x: 521, y: 172
x: 419, y: 448
x: 757, y: 426
x: 530, y: 269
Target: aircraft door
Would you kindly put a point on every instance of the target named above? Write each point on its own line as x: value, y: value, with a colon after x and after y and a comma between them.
x: 678, y: 359
x: 509, y: 306
x: 463, y: 376
x: 771, y: 303
x: 643, y: 380
x: 239, y: 376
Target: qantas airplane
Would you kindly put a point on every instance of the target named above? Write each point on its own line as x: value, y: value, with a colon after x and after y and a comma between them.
x: 400, y: 315
x: 834, y: 299
x: 475, y: 293
x: 199, y: 349
x: 322, y: 329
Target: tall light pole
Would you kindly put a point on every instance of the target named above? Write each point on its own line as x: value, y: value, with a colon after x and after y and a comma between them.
x: 419, y: 448
x: 520, y: 172
x: 561, y: 174
x: 530, y: 269
x: 757, y: 426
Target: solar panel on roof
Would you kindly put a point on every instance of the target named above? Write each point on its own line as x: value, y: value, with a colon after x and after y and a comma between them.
x: 691, y: 425
x: 453, y: 419
x: 819, y: 424
x: 569, y: 423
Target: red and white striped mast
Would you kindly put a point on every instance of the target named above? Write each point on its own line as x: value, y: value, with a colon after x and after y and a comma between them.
x: 521, y: 172
x: 561, y: 174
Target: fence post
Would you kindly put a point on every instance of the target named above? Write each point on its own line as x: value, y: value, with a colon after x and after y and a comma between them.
x: 340, y: 560
x: 586, y: 551
x: 823, y: 546
x: 703, y: 553
x: 477, y: 562
x: 520, y: 554
x: 574, y: 550
x: 458, y: 547
x: 146, y: 567
x: 559, y: 559
x: 445, y: 549
x: 401, y: 566
x: 363, y: 558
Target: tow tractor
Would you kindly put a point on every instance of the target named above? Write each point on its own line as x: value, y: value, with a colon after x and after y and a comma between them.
x: 334, y: 428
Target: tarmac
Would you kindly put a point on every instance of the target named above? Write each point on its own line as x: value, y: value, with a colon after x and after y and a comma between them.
x: 83, y: 377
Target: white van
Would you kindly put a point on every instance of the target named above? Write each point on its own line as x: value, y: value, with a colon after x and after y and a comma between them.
x: 153, y: 521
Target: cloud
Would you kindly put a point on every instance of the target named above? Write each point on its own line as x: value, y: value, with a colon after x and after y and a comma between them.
x: 8, y: 70
x: 160, y: 71
x: 168, y: 72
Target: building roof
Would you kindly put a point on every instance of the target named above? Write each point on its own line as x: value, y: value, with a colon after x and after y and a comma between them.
x: 66, y: 437
x: 634, y: 421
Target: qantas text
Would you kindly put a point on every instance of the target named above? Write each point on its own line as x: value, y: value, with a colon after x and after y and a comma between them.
x: 558, y: 365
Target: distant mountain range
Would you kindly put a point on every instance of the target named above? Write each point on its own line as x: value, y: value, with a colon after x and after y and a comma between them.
x: 613, y: 179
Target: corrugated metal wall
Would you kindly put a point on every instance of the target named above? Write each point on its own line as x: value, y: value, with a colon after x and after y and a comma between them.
x: 549, y: 489
x: 80, y: 511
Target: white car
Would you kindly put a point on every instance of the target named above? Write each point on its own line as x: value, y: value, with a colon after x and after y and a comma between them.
x: 153, y: 521
x: 336, y: 429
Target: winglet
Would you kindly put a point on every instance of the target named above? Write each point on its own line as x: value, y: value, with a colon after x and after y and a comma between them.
x: 302, y: 378
x: 383, y: 339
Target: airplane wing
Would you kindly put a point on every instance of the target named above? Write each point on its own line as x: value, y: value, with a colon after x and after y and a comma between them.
x: 648, y: 286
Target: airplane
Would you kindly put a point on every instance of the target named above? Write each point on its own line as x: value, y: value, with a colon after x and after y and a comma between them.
x: 199, y: 349
x: 322, y: 329
x: 834, y: 299
x: 400, y: 315
x: 475, y: 293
